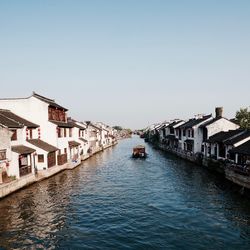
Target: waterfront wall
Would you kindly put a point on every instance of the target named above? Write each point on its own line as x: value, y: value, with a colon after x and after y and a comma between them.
x: 233, y: 173
x: 211, y: 164
x: 15, y: 185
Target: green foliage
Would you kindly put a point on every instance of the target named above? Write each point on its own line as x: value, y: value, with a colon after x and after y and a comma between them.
x: 119, y: 128
x: 243, y: 118
x: 128, y: 130
x: 155, y: 138
x: 13, y: 177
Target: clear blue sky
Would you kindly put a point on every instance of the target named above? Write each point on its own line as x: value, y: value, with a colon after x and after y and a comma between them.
x: 128, y: 62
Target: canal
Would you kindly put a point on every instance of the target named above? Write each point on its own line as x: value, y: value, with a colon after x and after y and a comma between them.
x: 114, y: 202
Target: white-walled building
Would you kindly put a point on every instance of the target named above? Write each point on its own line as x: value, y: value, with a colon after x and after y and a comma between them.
x: 171, y: 137
x: 190, y: 139
x: 107, y: 134
x: 54, y: 128
x: 5, y: 152
x: 79, y: 137
x: 214, y: 127
x: 220, y: 145
x: 93, y: 137
x: 162, y: 131
x: 23, y: 156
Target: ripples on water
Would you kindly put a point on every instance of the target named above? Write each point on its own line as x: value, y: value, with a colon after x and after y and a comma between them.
x: 114, y: 202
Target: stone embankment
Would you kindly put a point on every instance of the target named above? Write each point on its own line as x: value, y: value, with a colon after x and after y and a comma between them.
x: 15, y: 185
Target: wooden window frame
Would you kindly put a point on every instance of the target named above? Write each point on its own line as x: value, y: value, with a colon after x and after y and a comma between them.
x: 14, y: 136
x: 3, y: 155
x: 40, y: 158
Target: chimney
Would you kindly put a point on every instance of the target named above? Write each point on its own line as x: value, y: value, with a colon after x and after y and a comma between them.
x: 218, y: 112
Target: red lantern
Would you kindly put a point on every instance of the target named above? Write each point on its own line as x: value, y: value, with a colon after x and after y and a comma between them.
x: 39, y: 133
x: 27, y: 134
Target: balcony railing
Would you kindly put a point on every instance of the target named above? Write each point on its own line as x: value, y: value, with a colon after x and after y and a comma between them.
x: 25, y: 170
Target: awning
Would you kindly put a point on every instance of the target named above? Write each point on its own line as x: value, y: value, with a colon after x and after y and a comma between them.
x: 242, y: 149
x: 86, y: 141
x: 73, y: 144
x: 63, y: 124
x: 21, y: 149
x: 43, y: 145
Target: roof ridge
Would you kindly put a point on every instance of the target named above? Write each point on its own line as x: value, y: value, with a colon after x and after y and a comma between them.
x: 18, y: 117
x: 8, y: 118
x: 42, y: 97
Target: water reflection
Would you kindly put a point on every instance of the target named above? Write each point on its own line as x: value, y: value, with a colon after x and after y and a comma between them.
x: 114, y: 202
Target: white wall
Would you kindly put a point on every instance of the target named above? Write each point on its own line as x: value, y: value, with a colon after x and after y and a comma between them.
x: 221, y: 125
x: 5, y: 144
x: 13, y: 169
x: 36, y: 111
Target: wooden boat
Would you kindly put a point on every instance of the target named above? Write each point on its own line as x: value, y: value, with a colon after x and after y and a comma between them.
x: 139, y: 152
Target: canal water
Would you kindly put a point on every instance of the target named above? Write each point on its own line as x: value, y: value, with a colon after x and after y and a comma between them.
x: 114, y: 202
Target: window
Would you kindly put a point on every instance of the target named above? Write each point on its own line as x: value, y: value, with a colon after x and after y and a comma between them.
x: 65, y: 151
x: 14, y: 136
x: 70, y: 132
x: 2, y: 155
x: 65, y: 132
x: 184, y: 132
x: 59, y: 132
x: 192, y: 133
x: 40, y: 158
x: 189, y: 133
x: 30, y: 133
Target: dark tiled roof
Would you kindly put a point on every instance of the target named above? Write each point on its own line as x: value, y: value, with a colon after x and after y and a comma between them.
x: 43, y: 145
x: 17, y: 118
x: 21, y: 149
x: 175, y: 123
x: 63, y: 124
x: 74, y: 124
x: 9, y: 123
x: 86, y: 141
x: 223, y: 136
x: 178, y: 124
x: 242, y: 149
x: 51, y: 102
x: 94, y: 126
x: 210, y: 122
x: 245, y: 134
x: 193, y: 122
x: 162, y: 126
x: 234, y: 120
x: 74, y: 144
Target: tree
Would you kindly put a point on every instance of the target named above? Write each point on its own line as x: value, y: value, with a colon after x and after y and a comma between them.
x: 119, y: 128
x: 243, y: 118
